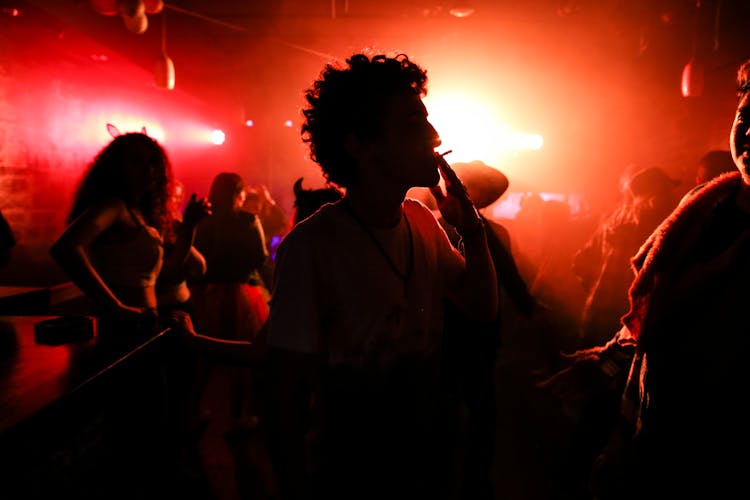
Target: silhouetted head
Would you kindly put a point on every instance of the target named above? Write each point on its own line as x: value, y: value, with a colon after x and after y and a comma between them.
x: 227, y: 192
x: 713, y: 164
x: 739, y: 141
x: 652, y: 181
x: 743, y: 79
x: 133, y: 168
x: 308, y: 201
x: 352, y: 100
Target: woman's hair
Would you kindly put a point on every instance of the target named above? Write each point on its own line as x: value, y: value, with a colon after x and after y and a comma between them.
x: 224, y: 188
x: 133, y: 168
x: 352, y: 99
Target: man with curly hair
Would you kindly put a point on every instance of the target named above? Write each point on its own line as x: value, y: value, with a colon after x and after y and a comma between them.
x: 356, y: 311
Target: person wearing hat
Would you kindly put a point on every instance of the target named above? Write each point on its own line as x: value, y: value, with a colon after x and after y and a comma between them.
x: 603, y: 263
x: 471, y: 345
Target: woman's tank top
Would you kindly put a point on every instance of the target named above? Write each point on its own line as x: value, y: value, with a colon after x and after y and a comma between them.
x: 134, y: 262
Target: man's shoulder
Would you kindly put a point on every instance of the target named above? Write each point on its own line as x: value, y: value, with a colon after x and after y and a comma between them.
x: 414, y: 205
x: 322, y: 224
x: 417, y: 211
x: 322, y: 218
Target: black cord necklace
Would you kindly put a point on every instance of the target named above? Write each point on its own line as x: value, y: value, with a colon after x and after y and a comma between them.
x: 404, y: 277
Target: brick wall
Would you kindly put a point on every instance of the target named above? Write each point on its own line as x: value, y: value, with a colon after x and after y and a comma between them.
x: 34, y: 193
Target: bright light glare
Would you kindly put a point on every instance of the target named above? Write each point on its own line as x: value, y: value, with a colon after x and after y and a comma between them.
x: 474, y: 132
x: 288, y: 123
x: 512, y: 141
x: 249, y: 123
x: 217, y: 137
x: 510, y: 204
x: 534, y: 141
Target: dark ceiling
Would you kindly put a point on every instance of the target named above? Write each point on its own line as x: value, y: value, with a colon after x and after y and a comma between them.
x: 574, y: 66
x: 213, y: 39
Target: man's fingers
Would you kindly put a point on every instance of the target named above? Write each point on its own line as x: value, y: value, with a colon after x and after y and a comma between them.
x: 455, y: 187
x: 449, y: 174
x: 437, y: 193
x: 453, y: 184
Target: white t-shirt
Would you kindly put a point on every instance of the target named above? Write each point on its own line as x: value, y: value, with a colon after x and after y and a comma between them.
x: 376, y: 409
x: 336, y: 294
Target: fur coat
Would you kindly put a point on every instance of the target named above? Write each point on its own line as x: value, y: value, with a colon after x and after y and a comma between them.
x: 683, y: 421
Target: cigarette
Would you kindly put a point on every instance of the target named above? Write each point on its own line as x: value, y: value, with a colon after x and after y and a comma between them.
x: 447, y: 152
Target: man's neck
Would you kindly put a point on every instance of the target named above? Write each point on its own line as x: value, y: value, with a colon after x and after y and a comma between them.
x: 376, y: 207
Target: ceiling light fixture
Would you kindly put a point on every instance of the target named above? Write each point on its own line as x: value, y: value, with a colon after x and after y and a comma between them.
x: 164, y: 70
x: 691, y: 83
x: 461, y: 8
x: 133, y: 13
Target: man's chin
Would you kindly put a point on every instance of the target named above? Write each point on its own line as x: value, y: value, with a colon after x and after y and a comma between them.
x: 431, y: 181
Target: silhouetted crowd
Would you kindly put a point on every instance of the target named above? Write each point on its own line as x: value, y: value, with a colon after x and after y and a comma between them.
x: 393, y: 339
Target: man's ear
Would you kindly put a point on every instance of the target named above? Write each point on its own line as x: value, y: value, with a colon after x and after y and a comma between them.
x: 358, y: 148
x: 353, y: 145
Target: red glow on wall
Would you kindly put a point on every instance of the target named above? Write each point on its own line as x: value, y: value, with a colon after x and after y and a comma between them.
x: 58, y: 92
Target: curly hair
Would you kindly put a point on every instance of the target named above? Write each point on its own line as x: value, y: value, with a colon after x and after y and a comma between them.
x: 743, y: 78
x: 352, y: 99
x: 133, y: 168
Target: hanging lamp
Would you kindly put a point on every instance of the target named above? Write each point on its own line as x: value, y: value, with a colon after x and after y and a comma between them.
x: 164, y: 69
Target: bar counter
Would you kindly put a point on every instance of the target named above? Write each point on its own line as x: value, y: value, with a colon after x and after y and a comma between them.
x: 85, y: 418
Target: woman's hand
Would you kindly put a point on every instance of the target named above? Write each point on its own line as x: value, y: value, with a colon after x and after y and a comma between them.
x: 181, y: 321
x: 128, y: 313
x: 195, y: 210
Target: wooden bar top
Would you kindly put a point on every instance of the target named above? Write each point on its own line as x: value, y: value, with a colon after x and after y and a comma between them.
x: 35, y: 376
x: 38, y: 300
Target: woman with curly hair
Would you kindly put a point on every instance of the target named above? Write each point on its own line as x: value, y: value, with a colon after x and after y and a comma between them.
x: 112, y: 248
